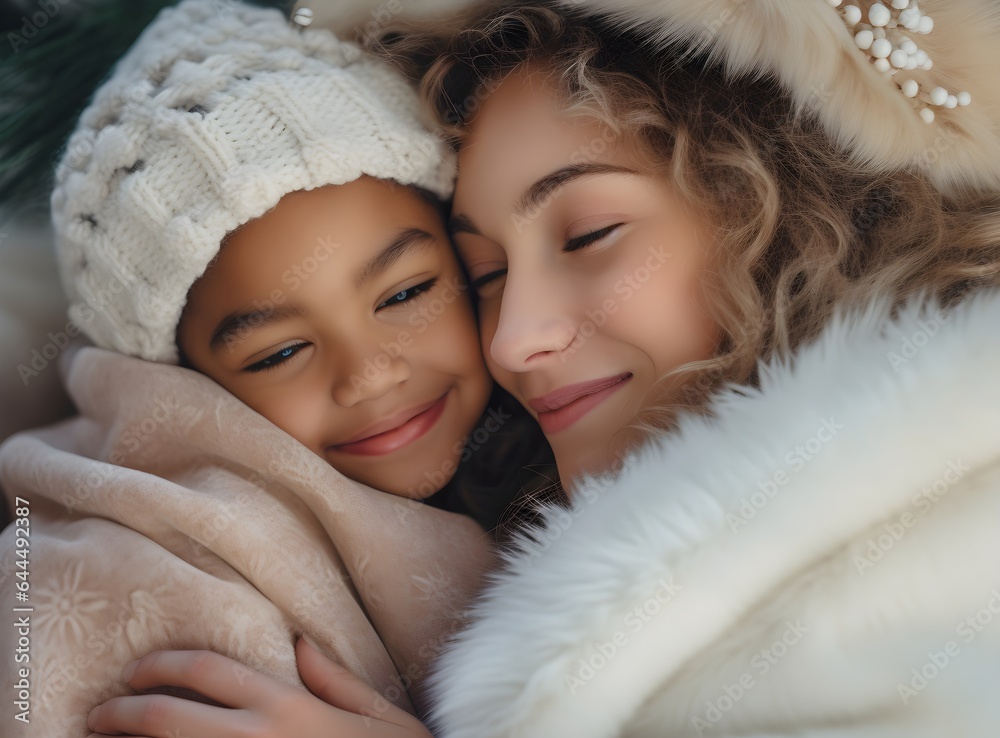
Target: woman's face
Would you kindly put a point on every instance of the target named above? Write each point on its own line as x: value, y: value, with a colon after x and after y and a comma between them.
x: 343, y: 317
x: 588, y: 272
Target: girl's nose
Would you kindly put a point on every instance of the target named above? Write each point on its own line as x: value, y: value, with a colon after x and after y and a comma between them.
x: 368, y: 375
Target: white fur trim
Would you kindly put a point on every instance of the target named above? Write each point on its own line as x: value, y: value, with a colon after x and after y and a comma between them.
x: 809, y: 48
x: 894, y: 419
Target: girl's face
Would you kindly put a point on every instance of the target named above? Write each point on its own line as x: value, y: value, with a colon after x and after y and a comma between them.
x: 588, y: 272
x: 342, y: 316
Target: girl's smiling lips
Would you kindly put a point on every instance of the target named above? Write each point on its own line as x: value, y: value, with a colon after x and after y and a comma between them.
x: 563, y: 407
x: 396, y: 431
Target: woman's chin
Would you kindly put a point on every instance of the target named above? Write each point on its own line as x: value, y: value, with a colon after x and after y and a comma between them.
x: 596, y: 458
x: 573, y: 466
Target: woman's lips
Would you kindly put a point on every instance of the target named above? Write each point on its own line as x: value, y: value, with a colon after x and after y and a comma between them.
x: 404, y: 428
x: 560, y: 409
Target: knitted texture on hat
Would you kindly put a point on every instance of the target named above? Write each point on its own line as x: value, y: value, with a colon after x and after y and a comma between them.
x: 218, y: 111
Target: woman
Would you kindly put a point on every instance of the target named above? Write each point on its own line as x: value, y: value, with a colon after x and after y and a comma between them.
x: 820, y: 556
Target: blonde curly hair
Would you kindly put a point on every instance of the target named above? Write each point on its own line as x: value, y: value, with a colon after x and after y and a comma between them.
x: 799, y: 227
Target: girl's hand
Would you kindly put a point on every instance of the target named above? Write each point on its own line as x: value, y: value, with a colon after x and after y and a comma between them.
x: 254, y: 706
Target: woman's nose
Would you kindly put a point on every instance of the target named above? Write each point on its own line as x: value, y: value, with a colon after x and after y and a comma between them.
x: 366, y: 373
x: 535, y: 321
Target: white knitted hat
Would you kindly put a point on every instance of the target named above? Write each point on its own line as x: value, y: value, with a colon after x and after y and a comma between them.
x: 217, y: 112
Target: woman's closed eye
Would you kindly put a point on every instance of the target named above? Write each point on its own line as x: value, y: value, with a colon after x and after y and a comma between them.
x: 408, y: 295
x: 588, y: 239
x: 490, y: 281
x: 486, y: 278
x: 276, y: 359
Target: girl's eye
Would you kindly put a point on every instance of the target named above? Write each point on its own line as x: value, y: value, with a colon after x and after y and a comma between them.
x: 408, y: 295
x: 276, y: 359
x: 580, y: 242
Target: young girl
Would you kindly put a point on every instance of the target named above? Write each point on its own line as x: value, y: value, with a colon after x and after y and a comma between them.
x: 261, y: 204
x: 273, y: 217
x: 814, y: 557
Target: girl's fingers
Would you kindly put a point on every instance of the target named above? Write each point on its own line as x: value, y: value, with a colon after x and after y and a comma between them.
x: 335, y: 685
x: 210, y: 674
x: 160, y: 716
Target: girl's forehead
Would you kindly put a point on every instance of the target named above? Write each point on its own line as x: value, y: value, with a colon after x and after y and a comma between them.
x: 327, y: 253
x: 361, y: 228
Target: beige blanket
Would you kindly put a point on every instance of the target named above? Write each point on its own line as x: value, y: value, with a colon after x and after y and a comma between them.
x: 169, y: 514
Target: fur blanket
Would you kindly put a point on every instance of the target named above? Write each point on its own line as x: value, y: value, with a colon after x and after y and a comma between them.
x: 820, y: 559
x: 169, y: 514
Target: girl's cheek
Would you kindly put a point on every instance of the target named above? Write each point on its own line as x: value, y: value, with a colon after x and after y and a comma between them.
x: 298, y: 409
x: 443, y: 327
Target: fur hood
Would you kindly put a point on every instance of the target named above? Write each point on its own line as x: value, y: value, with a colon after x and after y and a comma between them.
x: 810, y: 49
x: 821, y: 558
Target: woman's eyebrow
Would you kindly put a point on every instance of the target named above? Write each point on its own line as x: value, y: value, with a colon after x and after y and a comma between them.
x: 540, y: 190
x: 462, y: 224
x: 404, y: 241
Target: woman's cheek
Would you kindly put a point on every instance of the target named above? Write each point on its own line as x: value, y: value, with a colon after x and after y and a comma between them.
x: 489, y: 318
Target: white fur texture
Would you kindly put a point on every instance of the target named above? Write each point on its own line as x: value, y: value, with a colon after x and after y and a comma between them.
x: 809, y: 48
x: 900, y: 401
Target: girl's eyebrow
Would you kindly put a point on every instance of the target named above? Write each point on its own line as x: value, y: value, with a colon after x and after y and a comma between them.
x: 404, y: 241
x: 249, y: 320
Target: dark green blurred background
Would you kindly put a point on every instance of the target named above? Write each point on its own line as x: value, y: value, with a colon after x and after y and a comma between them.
x: 53, y: 54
